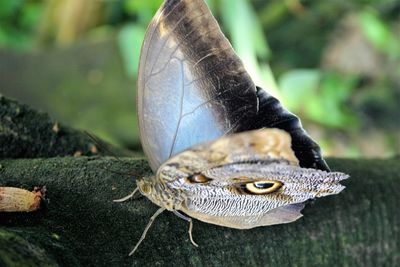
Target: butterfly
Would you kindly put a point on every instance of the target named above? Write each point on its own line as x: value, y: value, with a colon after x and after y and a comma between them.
x: 242, y: 181
x: 224, y: 151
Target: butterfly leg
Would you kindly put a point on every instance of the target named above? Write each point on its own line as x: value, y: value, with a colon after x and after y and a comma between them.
x: 131, y: 195
x: 190, y: 220
x: 158, y: 212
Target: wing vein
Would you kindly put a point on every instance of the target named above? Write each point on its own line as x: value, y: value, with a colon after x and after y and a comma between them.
x: 173, y: 52
x: 180, y: 112
x: 160, y: 18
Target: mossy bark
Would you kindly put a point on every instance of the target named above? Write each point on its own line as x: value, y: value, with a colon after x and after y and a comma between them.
x: 359, y: 227
x: 82, y: 226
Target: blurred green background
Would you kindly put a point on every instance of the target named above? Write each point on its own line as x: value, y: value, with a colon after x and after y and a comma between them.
x: 334, y: 63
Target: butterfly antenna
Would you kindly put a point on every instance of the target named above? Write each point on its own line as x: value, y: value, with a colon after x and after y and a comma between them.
x: 131, y: 195
x: 104, y: 147
x: 158, y: 212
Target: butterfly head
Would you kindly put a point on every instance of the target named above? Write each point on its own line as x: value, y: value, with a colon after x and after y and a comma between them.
x: 146, y: 186
x: 157, y: 192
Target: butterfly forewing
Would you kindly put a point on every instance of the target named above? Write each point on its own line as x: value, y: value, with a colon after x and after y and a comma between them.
x: 192, y: 87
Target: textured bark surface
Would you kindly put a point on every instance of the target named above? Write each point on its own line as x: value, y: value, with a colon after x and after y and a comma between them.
x: 81, y: 226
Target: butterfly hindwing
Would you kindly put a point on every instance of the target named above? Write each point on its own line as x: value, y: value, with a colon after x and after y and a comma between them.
x: 245, y: 180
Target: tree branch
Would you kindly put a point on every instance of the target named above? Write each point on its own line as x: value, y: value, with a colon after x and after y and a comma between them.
x: 82, y: 226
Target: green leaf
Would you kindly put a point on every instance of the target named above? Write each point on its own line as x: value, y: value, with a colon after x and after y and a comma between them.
x: 144, y: 10
x: 30, y: 15
x: 335, y: 90
x: 130, y: 39
x: 297, y: 86
x: 374, y: 29
x: 320, y: 97
x: 379, y: 33
x: 9, y: 7
x: 211, y: 4
x: 247, y: 37
x: 245, y: 31
x: 12, y: 38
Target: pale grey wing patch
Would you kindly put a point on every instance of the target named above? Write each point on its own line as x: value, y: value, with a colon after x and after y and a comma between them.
x: 286, y: 214
x: 192, y: 88
x: 160, y: 84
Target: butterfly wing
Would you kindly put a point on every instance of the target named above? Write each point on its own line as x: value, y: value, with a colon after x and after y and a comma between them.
x: 193, y: 88
x: 264, y: 145
x: 245, y: 180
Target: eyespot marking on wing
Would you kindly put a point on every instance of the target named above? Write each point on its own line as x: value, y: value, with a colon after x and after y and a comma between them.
x: 256, y: 187
x: 263, y: 187
x: 198, y: 178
